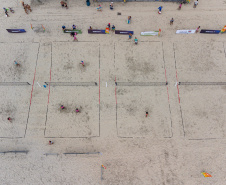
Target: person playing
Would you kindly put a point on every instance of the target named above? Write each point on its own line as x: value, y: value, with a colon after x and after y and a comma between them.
x: 146, y: 114
x: 129, y: 19
x: 50, y: 142
x: 113, y: 28
x: 197, y: 30
x: 77, y: 110
x: 63, y: 27
x: 136, y: 40
x: 171, y: 21
x: 16, y: 63
x: 83, y: 65
x: 160, y: 9
x: 11, y: 10
x: 62, y: 107
x: 6, y: 12
x: 130, y: 35
x: 73, y: 27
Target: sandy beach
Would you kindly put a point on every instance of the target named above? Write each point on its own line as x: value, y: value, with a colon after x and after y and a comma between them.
x: 179, y: 79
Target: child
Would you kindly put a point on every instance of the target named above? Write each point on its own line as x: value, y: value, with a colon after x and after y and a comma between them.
x: 77, y: 110
x: 73, y: 27
x: 109, y: 26
x: 62, y: 107
x: 82, y: 63
x: 130, y: 35
x: 171, y: 21
x: 136, y: 40
x: 63, y: 27
x: 197, y: 30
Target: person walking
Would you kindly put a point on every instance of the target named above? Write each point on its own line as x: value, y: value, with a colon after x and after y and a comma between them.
x: 180, y: 6
x: 146, y: 114
x: 136, y: 41
x: 129, y: 19
x: 196, y: 3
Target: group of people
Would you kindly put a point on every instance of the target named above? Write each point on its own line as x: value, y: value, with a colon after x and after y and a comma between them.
x: 6, y: 11
x: 73, y: 33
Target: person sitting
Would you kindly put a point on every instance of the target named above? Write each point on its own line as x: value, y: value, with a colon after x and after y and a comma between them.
x: 73, y: 27
x: 99, y: 8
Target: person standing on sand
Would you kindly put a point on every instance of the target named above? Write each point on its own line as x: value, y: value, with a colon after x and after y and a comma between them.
x: 109, y: 26
x: 146, y: 114
x: 90, y: 28
x: 130, y: 35
x: 77, y: 110
x: 113, y: 28
x: 63, y: 27
x: 171, y: 21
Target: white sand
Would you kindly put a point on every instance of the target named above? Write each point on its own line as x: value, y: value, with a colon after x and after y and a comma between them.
x: 172, y: 146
